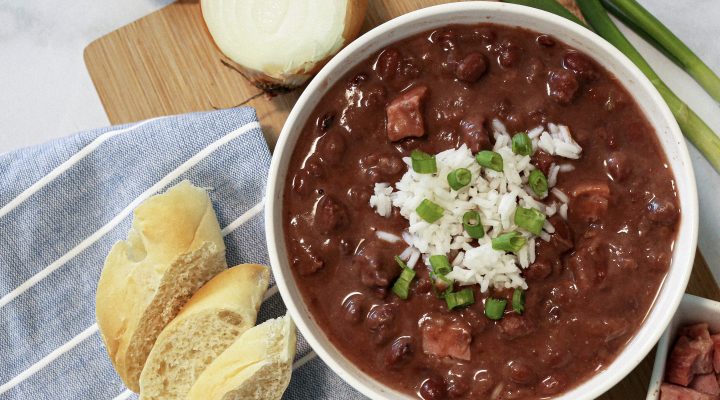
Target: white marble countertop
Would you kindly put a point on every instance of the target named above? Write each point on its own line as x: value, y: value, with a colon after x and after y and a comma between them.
x: 46, y: 92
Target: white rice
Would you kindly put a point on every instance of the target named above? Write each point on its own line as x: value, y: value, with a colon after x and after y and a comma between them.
x: 567, y: 168
x: 557, y: 141
x: 405, y: 255
x: 552, y: 175
x: 414, y: 257
x: 387, y: 236
x: 495, y: 195
x: 563, y: 211
x: 560, y: 195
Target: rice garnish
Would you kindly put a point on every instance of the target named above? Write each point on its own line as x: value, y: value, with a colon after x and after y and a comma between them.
x: 495, y: 195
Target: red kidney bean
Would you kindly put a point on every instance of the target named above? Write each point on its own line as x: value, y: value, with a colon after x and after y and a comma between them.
x: 357, y: 80
x: 377, y: 269
x: 520, y: 373
x: 550, y: 385
x: 545, y: 41
x: 301, y: 183
x: 352, y: 308
x: 306, y: 261
x: 332, y: 148
x: 538, y: 270
x: 581, y: 64
x: 513, y: 326
x: 471, y: 68
x: 618, y: 166
x: 381, y: 322
x: 325, y: 121
x: 330, y: 215
x: 400, y: 350
x: 562, y: 86
x: 509, y: 54
x: 387, y: 64
x: 433, y: 388
x: 474, y: 133
x: 662, y: 211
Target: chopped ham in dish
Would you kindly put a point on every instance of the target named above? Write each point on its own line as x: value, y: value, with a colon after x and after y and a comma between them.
x: 443, y: 337
x: 404, y: 114
x: 691, y: 370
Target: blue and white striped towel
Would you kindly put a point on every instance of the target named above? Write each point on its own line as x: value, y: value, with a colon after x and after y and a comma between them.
x: 63, y: 205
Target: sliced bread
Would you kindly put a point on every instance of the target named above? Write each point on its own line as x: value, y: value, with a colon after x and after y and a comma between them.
x: 209, y: 323
x: 174, y: 247
x: 256, y: 367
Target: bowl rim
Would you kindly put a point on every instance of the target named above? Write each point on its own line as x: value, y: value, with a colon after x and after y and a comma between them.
x: 657, y: 318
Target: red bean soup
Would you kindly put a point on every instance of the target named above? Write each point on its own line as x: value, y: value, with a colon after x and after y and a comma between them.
x: 577, y: 221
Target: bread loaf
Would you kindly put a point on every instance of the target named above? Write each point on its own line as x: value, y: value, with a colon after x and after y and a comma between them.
x: 209, y: 323
x: 174, y: 246
x: 256, y: 367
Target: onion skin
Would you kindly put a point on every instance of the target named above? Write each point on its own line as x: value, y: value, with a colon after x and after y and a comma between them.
x: 291, y: 80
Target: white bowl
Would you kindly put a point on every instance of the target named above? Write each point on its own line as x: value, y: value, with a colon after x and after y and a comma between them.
x: 692, y: 310
x: 574, y: 35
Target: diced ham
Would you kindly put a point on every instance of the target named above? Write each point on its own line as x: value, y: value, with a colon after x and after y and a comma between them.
x: 707, y: 383
x: 674, y: 392
x: 681, y: 361
x: 695, y: 331
x: 699, y: 335
x: 446, y: 338
x: 404, y: 114
x: 590, y: 201
x: 716, y: 352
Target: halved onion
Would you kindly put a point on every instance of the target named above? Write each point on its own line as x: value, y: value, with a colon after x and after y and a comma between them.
x: 280, y: 44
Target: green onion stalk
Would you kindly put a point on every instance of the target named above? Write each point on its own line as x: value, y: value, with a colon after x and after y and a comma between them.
x: 550, y: 6
x: 646, y: 25
x: 694, y: 128
x: 637, y: 29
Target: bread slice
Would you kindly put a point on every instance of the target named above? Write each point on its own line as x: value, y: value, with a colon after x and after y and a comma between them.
x: 209, y: 323
x: 256, y: 367
x: 174, y: 246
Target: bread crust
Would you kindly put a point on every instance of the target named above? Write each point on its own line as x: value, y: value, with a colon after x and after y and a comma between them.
x: 218, y: 313
x: 257, y: 366
x: 174, y: 246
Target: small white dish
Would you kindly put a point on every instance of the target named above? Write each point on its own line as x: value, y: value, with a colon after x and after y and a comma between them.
x: 474, y: 12
x: 692, y: 310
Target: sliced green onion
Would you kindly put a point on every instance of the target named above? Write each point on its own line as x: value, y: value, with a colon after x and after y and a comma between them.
x: 473, y: 224
x: 459, y: 178
x: 551, y: 6
x: 402, y: 285
x: 440, y: 264
x: 661, y: 37
x: 462, y: 298
x: 490, y: 159
x: 495, y: 308
x: 423, y: 163
x: 400, y: 262
x: 538, y: 183
x: 518, y: 301
x: 694, y: 128
x: 511, y: 241
x: 530, y: 219
x: 521, y: 144
x: 429, y: 211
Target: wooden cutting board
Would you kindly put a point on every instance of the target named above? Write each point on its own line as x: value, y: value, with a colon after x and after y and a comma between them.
x: 166, y: 63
